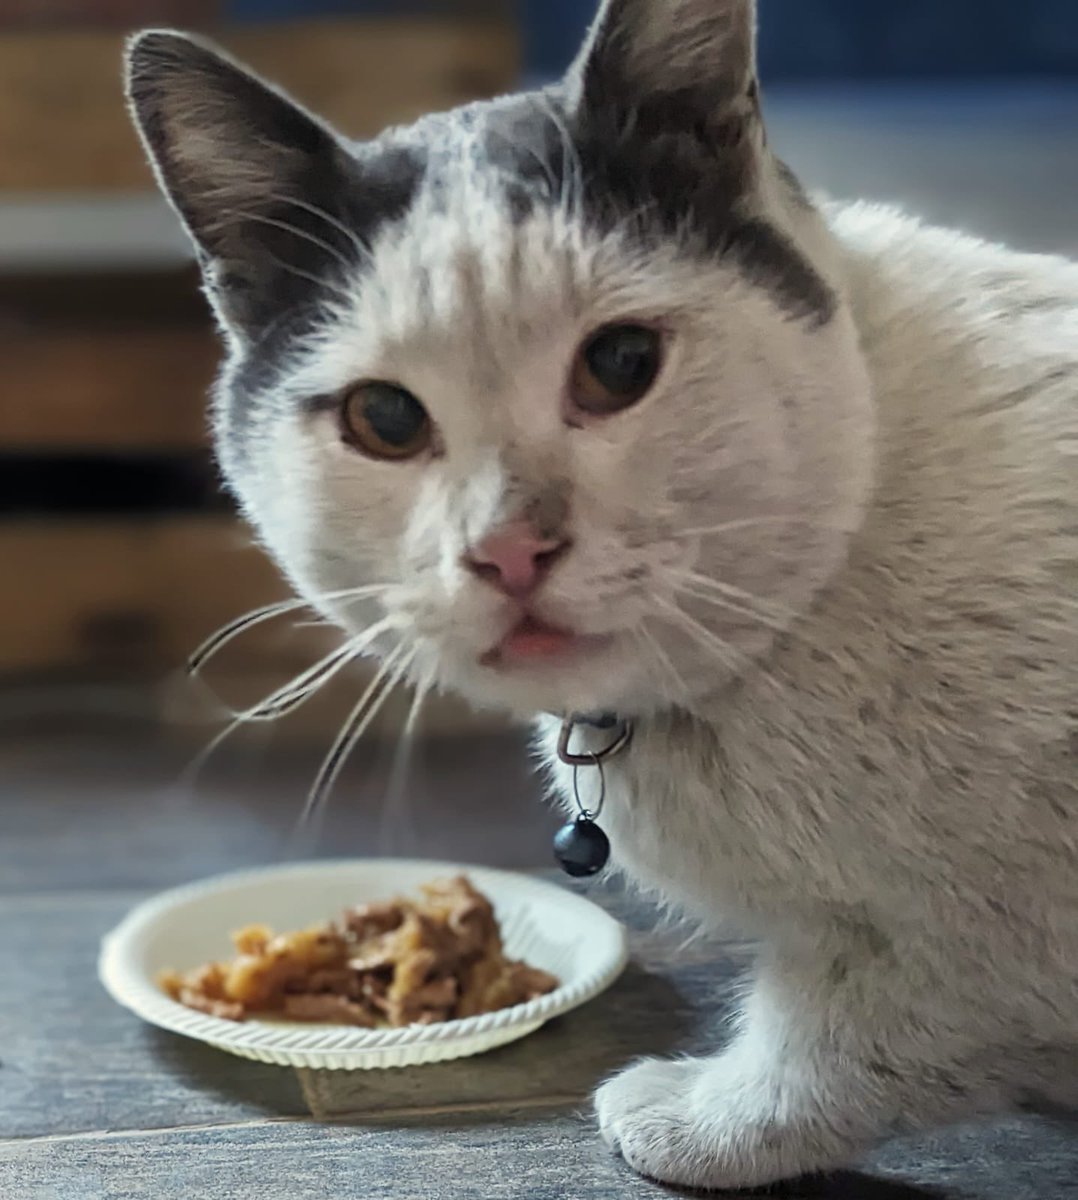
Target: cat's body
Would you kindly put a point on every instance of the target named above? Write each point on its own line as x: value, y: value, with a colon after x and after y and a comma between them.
x: 890, y: 803
x: 944, y: 653
x: 822, y: 550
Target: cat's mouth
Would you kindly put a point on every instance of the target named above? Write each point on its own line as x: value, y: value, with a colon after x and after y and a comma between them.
x: 534, y: 641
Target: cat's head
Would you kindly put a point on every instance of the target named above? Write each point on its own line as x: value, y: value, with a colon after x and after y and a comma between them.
x: 569, y: 375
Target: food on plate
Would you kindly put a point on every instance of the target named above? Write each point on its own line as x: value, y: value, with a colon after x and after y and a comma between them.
x: 384, y: 965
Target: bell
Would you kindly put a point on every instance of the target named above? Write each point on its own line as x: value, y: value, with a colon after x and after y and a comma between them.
x: 581, y: 848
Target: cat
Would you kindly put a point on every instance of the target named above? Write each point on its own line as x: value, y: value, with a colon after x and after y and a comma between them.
x: 609, y: 415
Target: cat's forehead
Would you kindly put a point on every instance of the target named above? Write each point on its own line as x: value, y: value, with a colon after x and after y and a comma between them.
x: 517, y: 149
x: 492, y: 234
x: 497, y: 231
x: 457, y: 222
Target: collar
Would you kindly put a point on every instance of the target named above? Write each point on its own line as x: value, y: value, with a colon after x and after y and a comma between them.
x: 620, y: 735
x: 597, y: 720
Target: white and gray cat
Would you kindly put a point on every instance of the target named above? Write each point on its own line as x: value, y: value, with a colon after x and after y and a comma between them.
x: 608, y: 415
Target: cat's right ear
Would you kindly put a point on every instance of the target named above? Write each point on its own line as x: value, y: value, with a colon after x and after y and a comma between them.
x: 255, y: 179
x: 686, y: 63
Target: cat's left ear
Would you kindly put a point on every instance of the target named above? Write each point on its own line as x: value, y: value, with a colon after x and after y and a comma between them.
x: 275, y: 203
x: 682, y: 63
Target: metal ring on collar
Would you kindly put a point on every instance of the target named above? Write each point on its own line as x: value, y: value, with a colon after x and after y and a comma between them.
x: 625, y: 736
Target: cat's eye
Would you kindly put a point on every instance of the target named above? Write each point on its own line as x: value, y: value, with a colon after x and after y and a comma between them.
x: 615, y: 368
x: 385, y: 421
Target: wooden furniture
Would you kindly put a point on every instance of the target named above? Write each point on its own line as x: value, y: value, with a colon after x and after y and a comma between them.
x: 63, y: 126
x: 95, y: 1105
x: 120, y: 550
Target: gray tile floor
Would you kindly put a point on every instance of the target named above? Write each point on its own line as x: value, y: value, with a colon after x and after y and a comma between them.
x: 63, y: 798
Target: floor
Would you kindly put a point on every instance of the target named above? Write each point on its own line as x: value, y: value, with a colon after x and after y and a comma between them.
x: 96, y: 1106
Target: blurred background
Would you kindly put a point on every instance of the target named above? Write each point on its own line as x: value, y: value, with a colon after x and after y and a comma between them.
x: 118, y: 550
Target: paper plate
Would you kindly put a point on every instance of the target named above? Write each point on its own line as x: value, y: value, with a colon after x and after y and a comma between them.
x: 541, y: 923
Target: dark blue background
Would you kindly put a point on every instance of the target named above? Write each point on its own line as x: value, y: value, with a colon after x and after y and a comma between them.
x: 859, y: 39
x: 808, y: 39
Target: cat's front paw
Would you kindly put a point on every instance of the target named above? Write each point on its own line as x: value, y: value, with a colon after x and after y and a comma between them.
x: 645, y: 1114
x: 689, y: 1123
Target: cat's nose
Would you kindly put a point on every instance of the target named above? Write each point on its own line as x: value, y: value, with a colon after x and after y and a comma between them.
x: 515, y: 558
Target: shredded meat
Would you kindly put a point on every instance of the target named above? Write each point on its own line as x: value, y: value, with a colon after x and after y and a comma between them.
x: 338, y: 1010
x: 389, y: 964
x: 373, y: 919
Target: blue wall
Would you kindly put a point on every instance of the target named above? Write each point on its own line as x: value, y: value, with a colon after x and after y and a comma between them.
x: 801, y: 39
x: 857, y: 39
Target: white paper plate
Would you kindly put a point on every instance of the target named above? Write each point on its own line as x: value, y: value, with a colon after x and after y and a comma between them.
x: 541, y: 923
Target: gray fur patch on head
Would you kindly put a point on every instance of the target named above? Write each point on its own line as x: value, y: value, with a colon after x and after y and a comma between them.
x: 669, y: 182
x: 657, y: 134
x: 667, y: 122
x: 656, y: 177
x: 654, y: 144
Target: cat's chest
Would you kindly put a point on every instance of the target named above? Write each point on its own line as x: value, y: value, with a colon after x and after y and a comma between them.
x: 682, y: 821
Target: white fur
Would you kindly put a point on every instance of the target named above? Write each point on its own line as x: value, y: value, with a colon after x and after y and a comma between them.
x: 890, y: 804
x: 888, y: 799
x: 837, y: 564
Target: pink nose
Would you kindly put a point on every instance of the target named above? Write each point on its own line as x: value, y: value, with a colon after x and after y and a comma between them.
x: 514, y: 558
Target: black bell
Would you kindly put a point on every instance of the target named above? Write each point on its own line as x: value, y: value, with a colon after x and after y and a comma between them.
x: 581, y: 848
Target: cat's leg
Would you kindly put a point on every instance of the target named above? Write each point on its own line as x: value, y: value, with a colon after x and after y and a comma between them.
x: 829, y: 1059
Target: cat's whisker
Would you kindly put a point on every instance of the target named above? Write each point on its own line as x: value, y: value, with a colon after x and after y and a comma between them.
x: 333, y: 289
x: 654, y: 648
x: 779, y: 627
x: 189, y: 775
x: 553, y: 187
x: 747, y: 523
x: 730, y: 658
x: 571, y: 167
x: 292, y: 695
x: 391, y: 672
x: 772, y: 609
x: 235, y: 627
x: 221, y: 638
x: 397, y: 809
x: 786, y: 627
x: 731, y: 606
x: 289, y: 698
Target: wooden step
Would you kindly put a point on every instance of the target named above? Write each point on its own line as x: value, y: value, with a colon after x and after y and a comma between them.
x: 137, y: 595
x: 131, y: 600
x: 118, y: 363
x: 121, y: 390
x: 63, y: 124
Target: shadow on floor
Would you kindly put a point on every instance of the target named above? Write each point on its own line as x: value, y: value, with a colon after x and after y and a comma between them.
x: 843, y: 1185
x: 559, y: 1067
x: 275, y: 1091
x: 853, y: 1185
